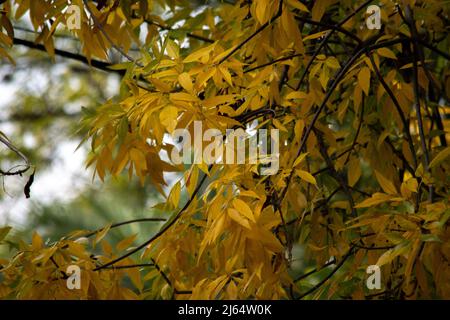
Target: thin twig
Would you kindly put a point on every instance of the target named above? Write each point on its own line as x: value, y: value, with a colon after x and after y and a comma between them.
x: 160, y: 232
x: 338, y: 266
x: 101, y: 65
x: 4, y: 139
x: 303, y: 276
x: 398, y: 108
x: 115, y: 225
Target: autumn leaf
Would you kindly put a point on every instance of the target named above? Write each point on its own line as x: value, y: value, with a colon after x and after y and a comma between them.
x: 244, y: 209
x: 364, y: 79
x: 385, y: 184
x: 441, y: 156
x: 304, y: 175
x: 343, y: 161
x: 375, y: 199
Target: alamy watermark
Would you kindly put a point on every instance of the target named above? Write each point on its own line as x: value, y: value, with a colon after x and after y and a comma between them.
x: 373, y: 282
x: 73, y: 280
x: 73, y: 21
x: 373, y: 21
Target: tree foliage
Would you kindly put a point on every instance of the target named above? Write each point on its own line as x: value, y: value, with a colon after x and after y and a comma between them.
x: 363, y: 175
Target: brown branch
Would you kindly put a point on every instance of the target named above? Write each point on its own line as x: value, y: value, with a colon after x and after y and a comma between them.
x: 398, y: 108
x: 436, y: 117
x: 125, y: 223
x: 101, y: 65
x: 4, y: 139
x: 334, y: 27
x: 166, y: 278
x: 323, y: 281
x: 303, y: 276
x: 434, y: 49
x: 334, y: 83
x: 160, y: 232
x: 129, y: 266
x: 358, y: 130
x: 336, y: 175
x: 274, y: 62
x: 409, y: 19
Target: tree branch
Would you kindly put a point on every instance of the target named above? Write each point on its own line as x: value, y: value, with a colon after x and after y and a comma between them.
x: 101, y: 65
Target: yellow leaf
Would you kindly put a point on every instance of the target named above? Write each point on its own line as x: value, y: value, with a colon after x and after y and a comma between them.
x: 218, y: 100
x: 298, y: 5
x: 390, y: 255
x: 300, y: 159
x: 267, y: 238
x: 226, y: 75
x: 319, y: 9
x: 191, y: 182
x: 296, y: 95
x: 385, y: 183
x: 261, y: 6
x: 441, y: 156
x: 234, y: 214
x: 376, y: 198
x: 308, y: 177
x: 183, y: 96
x: 174, y: 196
x: 223, y: 54
x: 385, y: 52
x: 125, y: 243
x: 412, y: 259
x: 100, y: 235
x: 160, y: 85
x: 354, y: 172
x: 185, y: 81
x: 316, y: 35
x: 411, y: 184
x: 249, y: 193
x: 199, y: 54
x: 364, y: 79
x: 138, y: 158
x: 45, y: 255
x: 333, y: 63
x: 244, y: 209
x: 279, y: 125
x: 172, y: 49
x: 168, y: 118
x: 37, y: 242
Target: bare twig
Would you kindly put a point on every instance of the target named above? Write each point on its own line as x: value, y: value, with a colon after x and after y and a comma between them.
x: 4, y: 139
